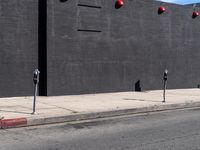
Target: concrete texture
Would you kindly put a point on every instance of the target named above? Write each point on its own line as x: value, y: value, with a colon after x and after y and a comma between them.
x: 17, y: 110
x: 94, y: 48
x: 84, y: 46
x: 169, y: 130
x: 18, y: 46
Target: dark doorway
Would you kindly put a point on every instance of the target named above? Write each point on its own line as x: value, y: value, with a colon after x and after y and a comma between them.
x: 42, y: 46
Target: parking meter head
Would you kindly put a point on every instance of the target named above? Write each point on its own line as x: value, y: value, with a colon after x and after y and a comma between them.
x: 36, y: 76
x: 165, y: 74
x: 166, y: 71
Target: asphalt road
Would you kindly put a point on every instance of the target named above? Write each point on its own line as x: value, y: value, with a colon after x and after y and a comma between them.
x: 172, y: 130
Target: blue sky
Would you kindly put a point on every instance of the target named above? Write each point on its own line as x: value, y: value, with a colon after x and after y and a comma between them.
x: 182, y: 2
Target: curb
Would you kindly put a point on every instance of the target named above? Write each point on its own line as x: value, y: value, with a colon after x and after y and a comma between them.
x: 11, y: 123
x: 24, y: 122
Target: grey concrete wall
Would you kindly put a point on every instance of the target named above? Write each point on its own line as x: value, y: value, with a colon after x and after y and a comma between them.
x: 93, y: 47
x: 18, y: 46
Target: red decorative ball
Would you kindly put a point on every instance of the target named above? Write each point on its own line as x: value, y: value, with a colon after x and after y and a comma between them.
x: 195, y: 14
x: 161, y: 9
x: 119, y: 3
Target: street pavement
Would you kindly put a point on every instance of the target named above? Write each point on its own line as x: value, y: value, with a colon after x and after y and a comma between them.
x: 166, y: 130
x: 17, y: 111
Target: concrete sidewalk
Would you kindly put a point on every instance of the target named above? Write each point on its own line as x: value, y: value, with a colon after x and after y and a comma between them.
x: 17, y: 110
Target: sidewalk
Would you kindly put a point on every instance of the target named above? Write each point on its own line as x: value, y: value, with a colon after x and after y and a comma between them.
x: 17, y: 110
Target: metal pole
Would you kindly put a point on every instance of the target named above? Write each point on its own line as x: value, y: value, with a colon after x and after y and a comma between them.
x: 35, y: 95
x: 165, y: 84
x: 35, y: 81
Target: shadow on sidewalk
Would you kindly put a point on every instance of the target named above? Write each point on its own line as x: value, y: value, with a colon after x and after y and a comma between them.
x: 132, y: 99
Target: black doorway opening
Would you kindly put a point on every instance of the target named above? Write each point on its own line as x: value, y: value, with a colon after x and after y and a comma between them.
x: 42, y: 46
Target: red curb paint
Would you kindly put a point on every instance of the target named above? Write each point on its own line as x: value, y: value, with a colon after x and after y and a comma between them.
x: 13, y: 122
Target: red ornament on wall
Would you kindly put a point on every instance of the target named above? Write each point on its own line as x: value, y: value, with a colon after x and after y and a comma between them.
x: 195, y: 14
x: 161, y: 9
x: 119, y: 3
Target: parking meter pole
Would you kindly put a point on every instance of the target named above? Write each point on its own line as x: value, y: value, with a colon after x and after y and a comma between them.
x: 35, y: 81
x: 165, y: 84
x: 35, y: 94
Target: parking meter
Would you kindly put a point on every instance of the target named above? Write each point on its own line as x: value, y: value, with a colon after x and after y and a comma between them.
x: 35, y: 81
x: 36, y: 76
x: 165, y: 83
x: 165, y: 75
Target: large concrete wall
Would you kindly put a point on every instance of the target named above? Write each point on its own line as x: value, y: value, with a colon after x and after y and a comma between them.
x: 87, y: 46
x: 93, y: 47
x: 18, y: 46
